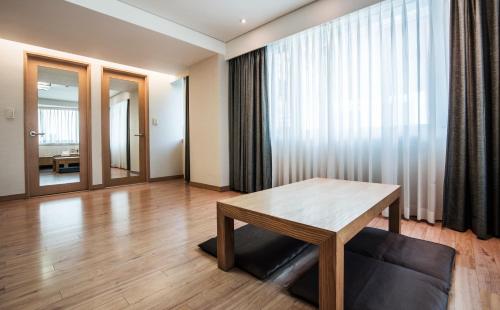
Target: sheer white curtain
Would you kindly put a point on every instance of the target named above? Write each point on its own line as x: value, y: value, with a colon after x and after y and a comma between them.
x: 118, y: 132
x: 364, y: 97
x: 59, y: 125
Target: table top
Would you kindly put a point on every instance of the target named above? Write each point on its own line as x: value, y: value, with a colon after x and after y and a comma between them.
x: 67, y: 157
x: 327, y: 204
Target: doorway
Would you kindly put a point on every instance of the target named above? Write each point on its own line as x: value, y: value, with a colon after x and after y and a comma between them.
x: 124, y: 127
x: 56, y: 125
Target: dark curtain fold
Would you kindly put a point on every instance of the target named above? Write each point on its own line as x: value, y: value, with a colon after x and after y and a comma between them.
x: 129, y: 167
x: 249, y: 140
x: 187, y: 154
x: 472, y: 180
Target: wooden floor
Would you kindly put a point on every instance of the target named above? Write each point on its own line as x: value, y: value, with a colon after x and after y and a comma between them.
x: 135, y: 247
x: 49, y: 177
x: 117, y: 173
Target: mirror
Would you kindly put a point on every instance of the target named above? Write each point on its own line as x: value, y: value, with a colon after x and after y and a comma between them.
x: 58, y: 126
x: 124, y: 133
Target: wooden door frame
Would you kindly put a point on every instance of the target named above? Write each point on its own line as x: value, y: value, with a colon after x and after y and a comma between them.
x: 88, y: 120
x: 106, y: 178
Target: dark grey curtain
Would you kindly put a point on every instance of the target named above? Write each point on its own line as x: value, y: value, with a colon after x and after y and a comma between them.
x: 472, y: 181
x: 249, y: 141
x: 187, y: 154
x: 129, y: 167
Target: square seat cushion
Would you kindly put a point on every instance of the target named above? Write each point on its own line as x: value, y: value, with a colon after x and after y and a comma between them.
x: 69, y: 169
x: 258, y: 251
x: 374, y: 284
x: 424, y: 256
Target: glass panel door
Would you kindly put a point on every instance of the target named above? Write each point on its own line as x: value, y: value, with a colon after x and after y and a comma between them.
x: 124, y: 130
x: 58, y: 126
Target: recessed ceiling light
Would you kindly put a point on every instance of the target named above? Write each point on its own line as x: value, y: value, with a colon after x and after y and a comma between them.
x: 243, y: 21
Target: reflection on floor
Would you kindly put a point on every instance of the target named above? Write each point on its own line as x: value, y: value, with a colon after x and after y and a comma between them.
x: 49, y: 177
x: 117, y: 173
x: 135, y: 247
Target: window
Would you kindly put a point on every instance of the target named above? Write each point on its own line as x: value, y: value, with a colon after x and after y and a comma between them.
x: 59, y: 125
x: 365, y: 97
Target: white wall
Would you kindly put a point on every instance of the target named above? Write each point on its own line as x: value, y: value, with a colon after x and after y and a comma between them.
x: 55, y: 149
x: 208, y: 122
x: 165, y: 147
x: 309, y: 16
x: 11, y: 131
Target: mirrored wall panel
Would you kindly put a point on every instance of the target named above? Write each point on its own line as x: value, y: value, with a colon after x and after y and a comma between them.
x: 58, y: 126
x: 124, y: 130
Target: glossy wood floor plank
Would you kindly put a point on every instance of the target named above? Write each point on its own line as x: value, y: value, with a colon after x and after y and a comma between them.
x: 135, y: 247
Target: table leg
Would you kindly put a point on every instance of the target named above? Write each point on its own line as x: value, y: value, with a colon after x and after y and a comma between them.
x: 395, y: 217
x: 331, y: 274
x: 225, y: 241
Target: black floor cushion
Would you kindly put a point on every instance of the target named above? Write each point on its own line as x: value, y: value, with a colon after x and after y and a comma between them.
x: 424, y: 256
x: 374, y: 284
x: 258, y: 251
x: 69, y: 169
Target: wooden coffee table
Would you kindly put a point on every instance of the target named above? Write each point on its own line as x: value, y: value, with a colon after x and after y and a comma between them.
x: 325, y: 212
x: 66, y: 160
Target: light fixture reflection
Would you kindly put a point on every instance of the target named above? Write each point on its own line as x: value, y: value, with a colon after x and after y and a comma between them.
x: 120, y: 208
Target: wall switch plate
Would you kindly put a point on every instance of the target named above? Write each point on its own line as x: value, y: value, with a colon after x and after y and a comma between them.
x: 155, y: 121
x: 10, y: 113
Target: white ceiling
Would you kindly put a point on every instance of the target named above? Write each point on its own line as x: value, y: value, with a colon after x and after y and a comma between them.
x: 64, y: 84
x: 68, y: 27
x: 118, y: 86
x: 57, y: 76
x: 219, y: 19
x: 161, y: 35
x: 60, y: 93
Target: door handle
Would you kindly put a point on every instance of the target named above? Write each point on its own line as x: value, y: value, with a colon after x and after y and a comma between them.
x: 139, y: 135
x: 34, y: 133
